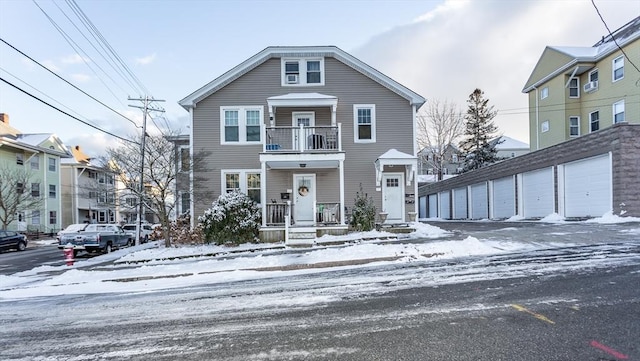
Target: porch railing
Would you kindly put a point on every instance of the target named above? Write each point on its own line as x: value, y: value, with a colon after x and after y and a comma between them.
x: 303, y: 139
x: 326, y: 213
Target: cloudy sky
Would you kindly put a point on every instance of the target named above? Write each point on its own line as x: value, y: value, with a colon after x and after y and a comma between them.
x: 440, y: 49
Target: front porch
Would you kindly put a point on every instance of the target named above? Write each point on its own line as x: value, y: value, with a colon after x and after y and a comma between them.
x: 279, y: 225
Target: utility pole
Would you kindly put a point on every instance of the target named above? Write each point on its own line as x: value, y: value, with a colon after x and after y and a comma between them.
x: 146, y: 101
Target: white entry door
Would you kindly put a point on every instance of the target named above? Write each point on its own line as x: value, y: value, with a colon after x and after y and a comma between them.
x: 304, y: 199
x: 305, y: 119
x: 393, y: 197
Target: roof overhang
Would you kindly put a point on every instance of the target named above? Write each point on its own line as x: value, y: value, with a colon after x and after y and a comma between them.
x: 302, y: 100
x: 301, y: 160
x: 394, y: 157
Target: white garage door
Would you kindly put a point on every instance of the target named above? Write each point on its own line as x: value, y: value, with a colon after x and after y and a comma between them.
x: 445, y: 205
x: 504, y: 198
x: 433, y: 206
x: 422, y: 207
x: 479, y: 201
x: 587, y: 187
x: 460, y: 203
x: 537, y: 193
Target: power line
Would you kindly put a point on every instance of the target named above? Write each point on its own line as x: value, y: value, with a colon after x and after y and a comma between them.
x: 67, y: 114
x: 63, y: 79
x: 613, y: 37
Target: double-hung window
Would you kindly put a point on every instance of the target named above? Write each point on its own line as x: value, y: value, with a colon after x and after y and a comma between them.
x: 35, y: 217
x: 574, y: 126
x: 52, y: 165
x: 364, y: 123
x: 53, y: 217
x: 594, y: 121
x: 19, y: 158
x: 618, y: 68
x: 185, y: 202
x: 185, y: 159
x: 52, y: 191
x: 241, y: 125
x: 618, y: 112
x: 35, y: 162
x: 574, y: 88
x: 245, y: 181
x: 35, y: 190
x: 302, y: 71
x: 544, y: 92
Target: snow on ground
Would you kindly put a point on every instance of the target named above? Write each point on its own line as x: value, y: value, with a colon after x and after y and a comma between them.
x: 150, y: 267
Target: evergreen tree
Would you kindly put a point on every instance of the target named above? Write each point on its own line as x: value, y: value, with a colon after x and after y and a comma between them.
x: 477, y: 148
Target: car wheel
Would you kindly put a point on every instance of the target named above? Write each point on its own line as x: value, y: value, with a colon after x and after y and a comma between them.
x: 146, y: 239
x: 130, y: 243
x: 108, y: 248
x: 22, y: 246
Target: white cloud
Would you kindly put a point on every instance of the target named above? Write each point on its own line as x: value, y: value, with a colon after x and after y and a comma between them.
x: 491, y: 45
x: 74, y: 59
x: 146, y: 60
x: 49, y: 64
x: 81, y: 78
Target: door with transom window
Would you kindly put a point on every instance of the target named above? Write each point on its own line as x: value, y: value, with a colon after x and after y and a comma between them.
x: 305, y: 119
x: 393, y: 197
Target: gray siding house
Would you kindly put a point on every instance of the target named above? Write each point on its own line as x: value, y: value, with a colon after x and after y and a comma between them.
x: 299, y: 130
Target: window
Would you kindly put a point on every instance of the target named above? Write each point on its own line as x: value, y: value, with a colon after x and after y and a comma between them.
x: 52, y: 164
x: 101, y: 178
x: 93, y: 195
x: 35, y: 217
x: 544, y: 92
x: 593, y: 75
x: 574, y: 126
x: 574, y: 88
x: 92, y: 174
x: 185, y: 202
x: 19, y: 188
x: 302, y: 72
x: 241, y: 125
x: 594, y: 121
x: 130, y: 202
x: 618, y: 68
x: 112, y: 217
x: 185, y: 159
x: 454, y: 158
x: 102, y: 217
x: 19, y: 158
x: 364, y: 123
x: 35, y: 162
x: 246, y: 181
x: 618, y: 112
x: 102, y: 197
x: 53, y: 218
x: 35, y: 189
x: 52, y: 190
x: 109, y: 178
x: 544, y: 127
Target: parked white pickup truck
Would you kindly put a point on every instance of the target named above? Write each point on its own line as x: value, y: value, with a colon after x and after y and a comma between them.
x: 145, y: 231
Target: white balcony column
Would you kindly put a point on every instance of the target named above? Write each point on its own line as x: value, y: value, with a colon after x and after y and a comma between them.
x: 301, y: 138
x: 334, y: 108
x: 340, y: 137
x: 263, y: 191
x: 272, y: 118
x: 341, y: 181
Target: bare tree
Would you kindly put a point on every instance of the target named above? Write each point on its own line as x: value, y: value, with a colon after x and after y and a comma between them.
x: 439, y: 125
x: 160, y: 174
x: 15, y: 197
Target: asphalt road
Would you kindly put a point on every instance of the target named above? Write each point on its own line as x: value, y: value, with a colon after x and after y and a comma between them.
x: 560, y: 308
x: 13, y: 261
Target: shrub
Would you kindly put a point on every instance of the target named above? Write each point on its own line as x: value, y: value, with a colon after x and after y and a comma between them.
x: 363, y: 215
x: 233, y: 218
x: 182, y: 233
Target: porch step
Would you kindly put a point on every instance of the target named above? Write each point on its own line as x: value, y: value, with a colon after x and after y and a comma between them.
x: 302, y: 233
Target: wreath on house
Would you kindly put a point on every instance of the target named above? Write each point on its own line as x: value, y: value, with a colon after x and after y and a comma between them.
x: 303, y: 190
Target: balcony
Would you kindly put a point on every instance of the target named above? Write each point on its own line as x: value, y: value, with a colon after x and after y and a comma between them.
x: 318, y: 139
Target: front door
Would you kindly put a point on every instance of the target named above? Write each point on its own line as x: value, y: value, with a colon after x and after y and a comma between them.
x: 305, y: 119
x: 304, y: 199
x: 393, y: 197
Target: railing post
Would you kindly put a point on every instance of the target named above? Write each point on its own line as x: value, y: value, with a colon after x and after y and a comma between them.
x: 301, y: 145
x: 286, y: 222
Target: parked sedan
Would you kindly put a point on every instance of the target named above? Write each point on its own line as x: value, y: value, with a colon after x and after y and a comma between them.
x: 12, y: 240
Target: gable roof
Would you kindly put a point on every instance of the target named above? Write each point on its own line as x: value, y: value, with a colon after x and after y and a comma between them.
x: 562, y: 59
x: 510, y: 143
x: 300, y: 51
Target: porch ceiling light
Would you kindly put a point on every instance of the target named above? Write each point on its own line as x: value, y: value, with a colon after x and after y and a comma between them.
x: 303, y: 165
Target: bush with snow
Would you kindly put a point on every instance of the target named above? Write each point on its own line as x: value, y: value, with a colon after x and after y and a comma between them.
x: 363, y: 216
x: 233, y: 218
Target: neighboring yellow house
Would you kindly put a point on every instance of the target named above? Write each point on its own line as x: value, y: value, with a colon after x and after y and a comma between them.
x: 575, y: 91
x: 39, y: 155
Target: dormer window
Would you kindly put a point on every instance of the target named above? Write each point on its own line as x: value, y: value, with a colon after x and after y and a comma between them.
x: 303, y: 72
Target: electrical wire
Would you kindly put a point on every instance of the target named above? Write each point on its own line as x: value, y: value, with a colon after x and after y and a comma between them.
x: 613, y: 37
x: 63, y: 79
x: 67, y: 114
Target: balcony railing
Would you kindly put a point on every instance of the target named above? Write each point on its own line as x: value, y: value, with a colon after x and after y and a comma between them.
x: 303, y: 139
x: 326, y: 213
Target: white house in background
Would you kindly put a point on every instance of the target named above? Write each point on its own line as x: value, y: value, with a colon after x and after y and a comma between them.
x: 509, y: 147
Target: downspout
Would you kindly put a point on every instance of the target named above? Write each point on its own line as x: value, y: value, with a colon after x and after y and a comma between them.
x: 191, y: 170
x: 537, y: 121
x: 414, y: 111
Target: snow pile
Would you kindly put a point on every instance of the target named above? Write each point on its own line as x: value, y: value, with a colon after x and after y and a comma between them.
x: 610, y: 218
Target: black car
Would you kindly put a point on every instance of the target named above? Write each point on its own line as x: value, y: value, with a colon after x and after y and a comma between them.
x: 12, y: 240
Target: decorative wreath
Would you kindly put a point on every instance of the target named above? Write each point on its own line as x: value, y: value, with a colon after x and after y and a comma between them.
x: 303, y: 191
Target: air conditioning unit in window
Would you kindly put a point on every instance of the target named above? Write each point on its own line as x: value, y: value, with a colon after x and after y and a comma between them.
x: 292, y: 78
x: 591, y: 86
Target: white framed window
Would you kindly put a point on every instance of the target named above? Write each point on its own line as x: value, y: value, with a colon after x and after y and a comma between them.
x: 184, y: 159
x: 52, y: 165
x: 185, y: 202
x: 364, y: 123
x: 574, y: 88
x: 302, y: 71
x: 246, y: 181
x: 618, y: 69
x: 544, y: 92
x: 52, y: 191
x: 109, y: 178
x: 130, y: 201
x: 594, y: 121
x: 101, y: 178
x: 574, y: 126
x: 35, y: 190
x: 544, y: 127
x: 19, y: 158
x: 35, y: 162
x: 102, y: 217
x: 112, y: 217
x: 593, y: 75
x: 241, y: 124
x: 53, y: 217
x: 618, y: 112
x: 454, y: 158
x: 35, y: 217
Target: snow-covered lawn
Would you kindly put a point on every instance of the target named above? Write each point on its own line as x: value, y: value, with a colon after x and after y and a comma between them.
x: 150, y: 267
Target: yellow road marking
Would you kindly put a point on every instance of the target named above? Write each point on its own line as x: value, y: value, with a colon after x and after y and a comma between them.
x: 536, y: 315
